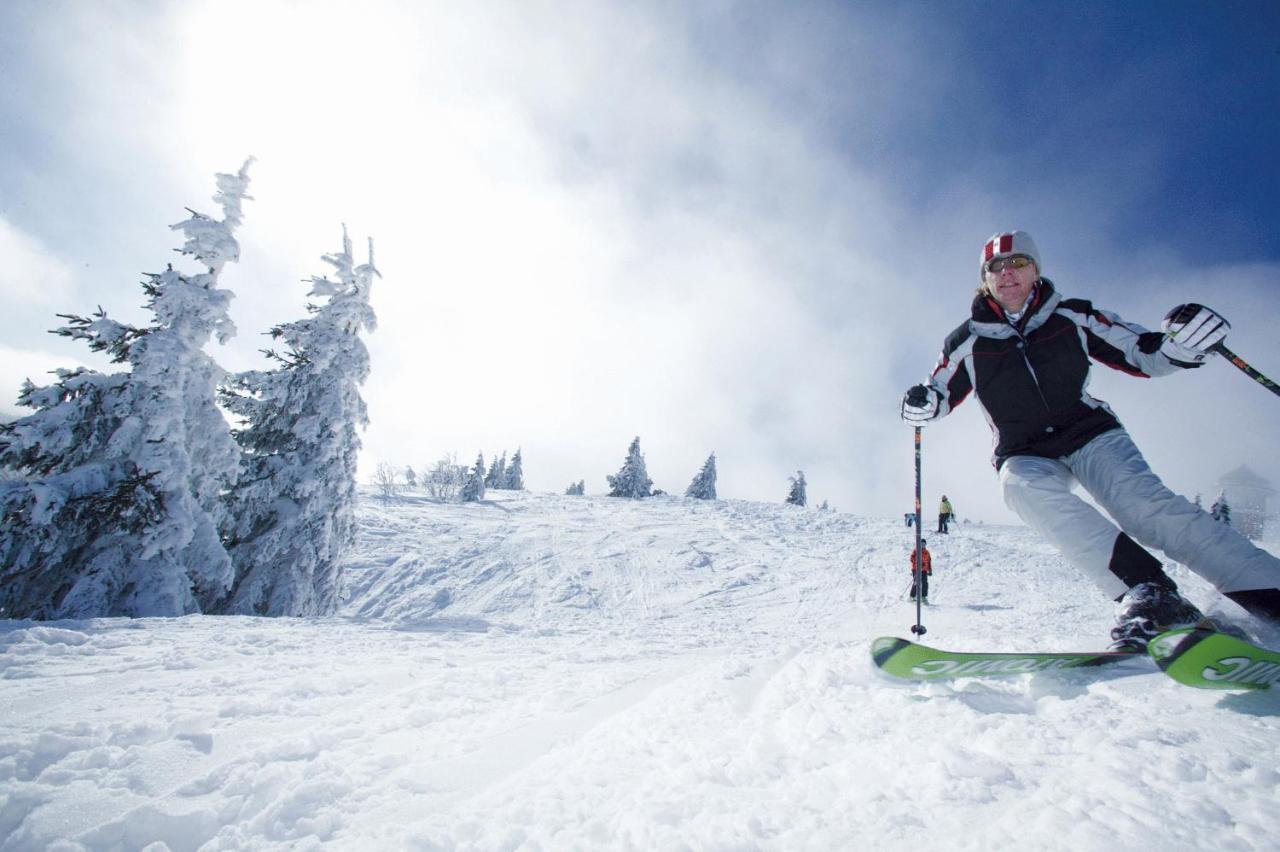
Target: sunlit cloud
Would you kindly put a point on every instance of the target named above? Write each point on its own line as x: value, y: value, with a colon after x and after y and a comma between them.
x: 605, y: 224
x: 31, y: 272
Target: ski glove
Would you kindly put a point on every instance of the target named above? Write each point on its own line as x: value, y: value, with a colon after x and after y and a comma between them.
x: 1191, y: 332
x: 920, y: 405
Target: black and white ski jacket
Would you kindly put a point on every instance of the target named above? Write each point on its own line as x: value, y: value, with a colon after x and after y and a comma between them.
x: 1032, y: 378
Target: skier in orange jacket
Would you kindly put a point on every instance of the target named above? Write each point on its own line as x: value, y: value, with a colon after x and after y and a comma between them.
x: 926, y: 568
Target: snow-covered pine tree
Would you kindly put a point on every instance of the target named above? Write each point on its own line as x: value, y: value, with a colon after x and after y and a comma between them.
x: 576, y: 489
x: 703, y: 486
x: 473, y: 488
x: 291, y: 514
x: 497, y: 477
x: 1220, y: 510
x: 117, y: 502
x: 632, y: 479
x: 410, y: 476
x: 515, y: 473
x: 797, y: 496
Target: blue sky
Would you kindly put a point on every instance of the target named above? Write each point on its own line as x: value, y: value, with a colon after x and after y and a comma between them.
x: 732, y: 227
x: 1172, y: 100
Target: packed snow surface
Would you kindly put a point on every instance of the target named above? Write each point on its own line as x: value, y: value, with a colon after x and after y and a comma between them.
x: 554, y: 672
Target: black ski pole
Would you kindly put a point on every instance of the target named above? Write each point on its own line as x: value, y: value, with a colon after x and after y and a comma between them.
x: 1245, y: 368
x: 918, y: 628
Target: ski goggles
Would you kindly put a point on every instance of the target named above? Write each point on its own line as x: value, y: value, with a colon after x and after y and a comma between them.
x: 1017, y: 261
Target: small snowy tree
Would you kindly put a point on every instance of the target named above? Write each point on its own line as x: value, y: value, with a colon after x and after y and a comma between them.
x: 445, y: 478
x: 384, y: 479
x: 117, y: 502
x: 703, y: 486
x: 497, y: 477
x: 291, y: 514
x: 1220, y: 510
x: 515, y: 473
x: 576, y: 489
x: 410, y: 477
x: 797, y: 496
x: 473, y: 488
x: 632, y: 480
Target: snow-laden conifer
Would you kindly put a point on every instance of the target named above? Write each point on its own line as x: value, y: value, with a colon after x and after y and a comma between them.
x: 117, y: 502
x: 632, y: 479
x: 797, y: 496
x: 497, y: 476
x: 703, y: 486
x: 515, y: 473
x: 1221, y: 510
x: 576, y: 489
x: 292, y: 510
x: 473, y: 488
x: 410, y: 476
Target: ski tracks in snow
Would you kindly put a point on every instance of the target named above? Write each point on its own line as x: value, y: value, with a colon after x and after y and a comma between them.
x: 547, y: 672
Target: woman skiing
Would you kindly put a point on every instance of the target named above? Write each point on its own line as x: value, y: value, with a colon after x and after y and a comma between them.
x: 1024, y: 352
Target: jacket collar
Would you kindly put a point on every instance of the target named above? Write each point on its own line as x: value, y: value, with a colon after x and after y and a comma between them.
x: 987, y: 318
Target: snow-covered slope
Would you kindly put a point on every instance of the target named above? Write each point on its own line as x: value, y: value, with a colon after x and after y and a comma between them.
x: 550, y: 672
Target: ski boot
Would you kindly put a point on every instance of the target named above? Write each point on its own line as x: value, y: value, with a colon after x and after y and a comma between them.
x: 1147, y: 610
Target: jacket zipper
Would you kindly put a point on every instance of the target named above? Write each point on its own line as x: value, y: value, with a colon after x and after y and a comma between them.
x: 1023, y: 346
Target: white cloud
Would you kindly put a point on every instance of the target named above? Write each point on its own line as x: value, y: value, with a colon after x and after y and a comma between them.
x: 592, y: 226
x: 31, y: 273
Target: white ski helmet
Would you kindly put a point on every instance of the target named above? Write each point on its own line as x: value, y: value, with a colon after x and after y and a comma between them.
x: 1007, y: 244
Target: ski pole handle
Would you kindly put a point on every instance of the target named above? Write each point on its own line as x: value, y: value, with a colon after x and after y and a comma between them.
x: 1245, y: 367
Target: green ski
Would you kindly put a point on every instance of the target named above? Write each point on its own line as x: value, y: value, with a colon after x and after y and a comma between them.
x: 913, y: 661
x: 1205, y: 658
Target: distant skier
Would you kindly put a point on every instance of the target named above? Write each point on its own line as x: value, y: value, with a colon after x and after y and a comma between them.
x: 1025, y: 352
x: 926, y: 569
x: 944, y: 514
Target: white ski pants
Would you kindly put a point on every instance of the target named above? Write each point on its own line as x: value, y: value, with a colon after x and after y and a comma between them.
x: 1111, y: 469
